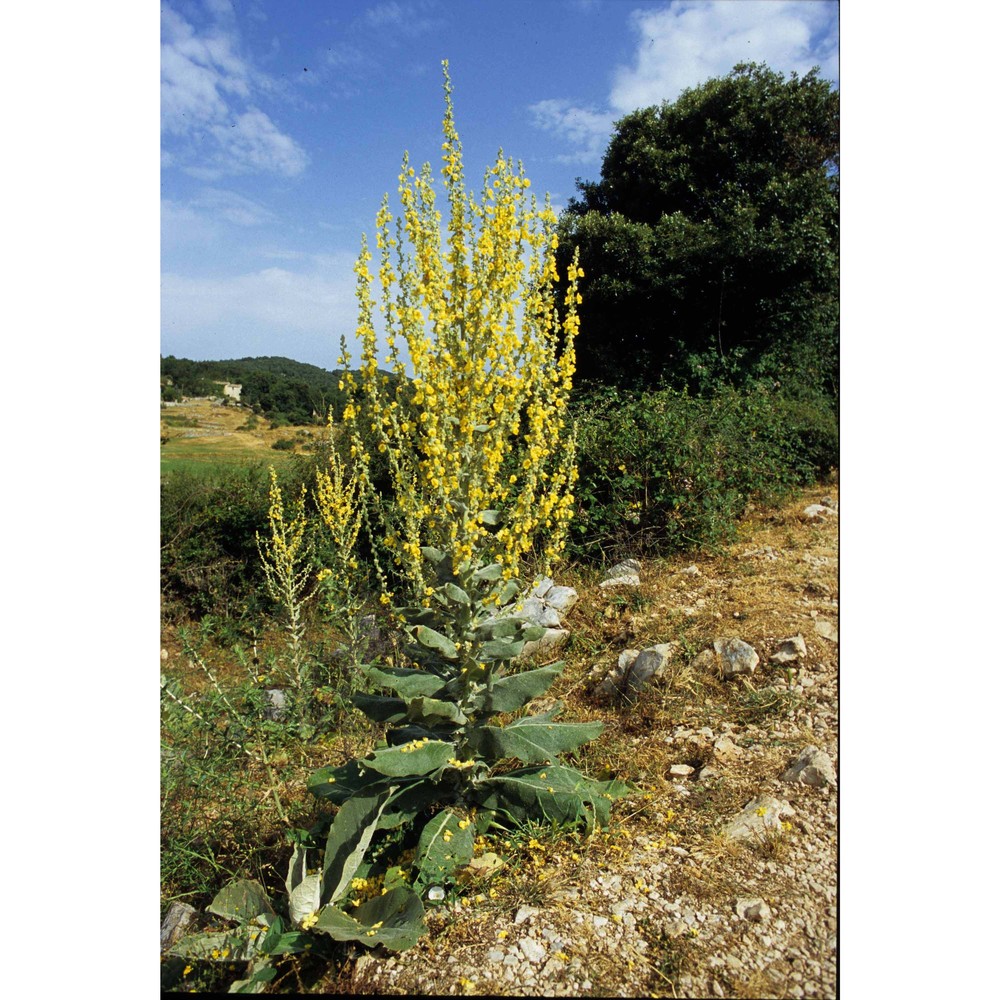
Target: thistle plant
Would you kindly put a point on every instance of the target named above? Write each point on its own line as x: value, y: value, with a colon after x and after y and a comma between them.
x: 479, y: 437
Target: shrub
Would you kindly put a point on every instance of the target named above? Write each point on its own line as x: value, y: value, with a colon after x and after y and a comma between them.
x: 664, y: 471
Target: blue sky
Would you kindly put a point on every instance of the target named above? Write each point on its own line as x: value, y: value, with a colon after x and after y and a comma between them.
x: 284, y: 123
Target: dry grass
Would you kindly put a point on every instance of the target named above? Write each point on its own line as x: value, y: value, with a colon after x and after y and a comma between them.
x: 206, y: 432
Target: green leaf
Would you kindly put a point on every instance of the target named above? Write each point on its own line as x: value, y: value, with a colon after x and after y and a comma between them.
x: 407, y: 803
x: 455, y: 593
x: 432, y: 554
x: 488, y: 574
x: 395, y: 920
x: 267, y: 943
x: 552, y: 793
x: 242, y: 900
x: 229, y: 946
x: 502, y: 628
x: 500, y: 649
x: 532, y: 632
x: 436, y: 641
x: 490, y: 517
x: 379, y: 708
x: 444, y: 845
x: 305, y: 898
x: 509, y: 591
x: 338, y: 784
x: 407, y: 682
x: 411, y: 759
x: 350, y: 834
x: 514, y: 692
x: 433, y: 712
x: 532, y: 739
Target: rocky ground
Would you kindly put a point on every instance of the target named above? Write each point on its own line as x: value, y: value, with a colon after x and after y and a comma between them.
x: 720, y: 876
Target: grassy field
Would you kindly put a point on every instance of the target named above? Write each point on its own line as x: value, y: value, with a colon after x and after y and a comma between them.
x: 202, y: 435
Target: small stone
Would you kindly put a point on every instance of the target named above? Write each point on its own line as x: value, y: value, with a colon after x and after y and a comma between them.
x: 531, y: 949
x: 753, y: 908
x: 789, y: 650
x: 705, y: 660
x: 725, y: 747
x: 827, y: 630
x: 494, y: 956
x: 176, y: 922
x: 681, y: 770
x: 738, y: 657
x: 691, y: 571
x: 276, y: 707
x: 164, y: 654
x: 812, y: 767
x: 818, y: 512
x: 553, y: 639
x: 629, y: 580
x: 524, y: 913
x: 762, y: 813
x: 600, y: 921
x: 561, y: 598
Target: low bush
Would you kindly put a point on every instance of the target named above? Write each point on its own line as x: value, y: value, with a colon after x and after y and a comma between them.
x: 665, y: 471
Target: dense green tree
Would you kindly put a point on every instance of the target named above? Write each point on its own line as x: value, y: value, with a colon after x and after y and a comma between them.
x: 710, y: 243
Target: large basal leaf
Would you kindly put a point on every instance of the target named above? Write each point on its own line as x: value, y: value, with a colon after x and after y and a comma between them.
x: 434, y: 712
x: 350, y: 834
x: 408, y: 802
x: 305, y: 898
x: 407, y: 682
x: 394, y: 919
x: 515, y: 691
x: 435, y: 640
x: 242, y: 900
x: 552, y: 793
x: 338, y: 784
x: 500, y: 649
x: 398, y: 735
x: 501, y: 628
x: 532, y: 739
x: 446, y: 842
x: 216, y: 946
x: 411, y: 759
x: 378, y: 708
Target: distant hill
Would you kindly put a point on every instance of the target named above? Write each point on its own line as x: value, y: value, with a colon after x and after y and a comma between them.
x: 280, y: 388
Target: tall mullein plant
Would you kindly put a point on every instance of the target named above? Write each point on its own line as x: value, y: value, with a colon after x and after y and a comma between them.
x: 480, y: 450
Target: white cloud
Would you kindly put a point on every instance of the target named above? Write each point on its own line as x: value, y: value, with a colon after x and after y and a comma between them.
x: 585, y: 129
x: 406, y: 18
x: 207, y: 89
x: 254, y: 142
x: 685, y: 43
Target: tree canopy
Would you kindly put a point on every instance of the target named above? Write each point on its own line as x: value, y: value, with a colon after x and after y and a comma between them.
x: 711, y: 240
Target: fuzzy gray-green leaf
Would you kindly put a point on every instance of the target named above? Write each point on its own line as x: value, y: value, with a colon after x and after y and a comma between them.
x: 242, y: 900
x: 394, y: 920
x: 435, y: 640
x: 350, y: 834
x: 515, y: 691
